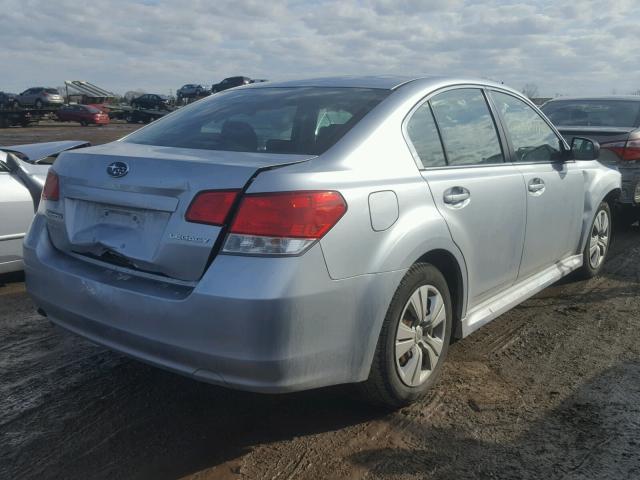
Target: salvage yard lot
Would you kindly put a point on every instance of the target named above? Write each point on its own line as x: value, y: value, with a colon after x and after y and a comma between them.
x: 549, y: 390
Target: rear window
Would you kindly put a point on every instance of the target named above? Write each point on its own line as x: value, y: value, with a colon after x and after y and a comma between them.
x: 91, y: 109
x: 52, y: 90
x: 593, y: 113
x: 301, y: 120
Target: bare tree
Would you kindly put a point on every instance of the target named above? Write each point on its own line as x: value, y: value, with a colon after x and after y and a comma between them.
x: 530, y: 90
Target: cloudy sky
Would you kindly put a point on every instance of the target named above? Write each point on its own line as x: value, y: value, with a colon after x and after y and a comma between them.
x: 583, y: 47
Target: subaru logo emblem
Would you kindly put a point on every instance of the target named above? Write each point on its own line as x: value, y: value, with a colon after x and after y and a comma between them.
x: 118, y: 169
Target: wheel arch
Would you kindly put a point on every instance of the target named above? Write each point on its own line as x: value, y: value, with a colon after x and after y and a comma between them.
x: 447, y: 263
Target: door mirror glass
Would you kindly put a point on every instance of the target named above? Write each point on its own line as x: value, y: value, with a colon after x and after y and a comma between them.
x: 584, y: 149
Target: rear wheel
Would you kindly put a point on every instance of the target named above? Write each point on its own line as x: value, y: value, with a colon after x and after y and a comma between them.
x: 414, y: 340
x: 597, y: 247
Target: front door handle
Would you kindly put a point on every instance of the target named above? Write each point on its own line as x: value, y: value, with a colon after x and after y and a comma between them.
x: 536, y: 186
x: 456, y: 196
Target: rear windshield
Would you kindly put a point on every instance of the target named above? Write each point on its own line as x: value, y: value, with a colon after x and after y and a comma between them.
x: 301, y: 120
x: 593, y: 113
x: 52, y: 90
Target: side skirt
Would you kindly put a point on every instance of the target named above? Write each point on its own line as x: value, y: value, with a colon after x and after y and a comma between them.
x: 507, y: 299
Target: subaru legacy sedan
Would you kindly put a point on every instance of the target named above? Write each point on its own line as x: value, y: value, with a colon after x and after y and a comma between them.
x: 287, y: 236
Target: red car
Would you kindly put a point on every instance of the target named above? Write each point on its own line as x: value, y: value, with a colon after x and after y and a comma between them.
x: 85, y: 114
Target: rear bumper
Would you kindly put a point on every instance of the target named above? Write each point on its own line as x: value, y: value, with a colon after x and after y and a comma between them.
x: 259, y: 324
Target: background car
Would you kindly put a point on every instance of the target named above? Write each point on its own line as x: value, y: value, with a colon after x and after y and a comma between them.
x: 7, y: 100
x: 39, y: 97
x: 294, y: 235
x: 614, y: 122
x: 151, y: 101
x: 230, y: 82
x: 190, y: 90
x: 84, y: 114
x: 22, y: 176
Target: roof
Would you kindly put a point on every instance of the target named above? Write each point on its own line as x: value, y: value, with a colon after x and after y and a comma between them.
x: 386, y: 82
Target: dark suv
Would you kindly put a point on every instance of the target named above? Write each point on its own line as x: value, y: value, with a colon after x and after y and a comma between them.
x: 230, y: 82
x: 151, y: 101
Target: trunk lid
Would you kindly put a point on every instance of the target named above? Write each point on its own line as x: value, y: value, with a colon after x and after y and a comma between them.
x: 138, y: 220
x: 603, y: 135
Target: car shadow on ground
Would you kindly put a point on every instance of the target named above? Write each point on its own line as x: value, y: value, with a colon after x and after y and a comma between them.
x: 124, y: 419
x: 593, y: 434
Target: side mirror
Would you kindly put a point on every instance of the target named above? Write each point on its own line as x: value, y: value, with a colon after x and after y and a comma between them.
x: 584, y: 149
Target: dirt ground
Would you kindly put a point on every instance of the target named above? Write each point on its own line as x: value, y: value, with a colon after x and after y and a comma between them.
x: 550, y: 390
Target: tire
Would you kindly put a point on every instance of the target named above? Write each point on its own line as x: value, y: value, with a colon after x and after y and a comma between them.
x: 596, y: 249
x: 393, y: 380
x: 83, y: 123
x: 38, y: 104
x: 16, y: 105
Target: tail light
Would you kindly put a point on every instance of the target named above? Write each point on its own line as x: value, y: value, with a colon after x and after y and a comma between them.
x: 51, y: 190
x: 284, y: 223
x: 627, y: 151
x: 211, y: 207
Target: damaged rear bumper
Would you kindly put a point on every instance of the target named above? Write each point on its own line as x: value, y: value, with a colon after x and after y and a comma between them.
x: 259, y: 324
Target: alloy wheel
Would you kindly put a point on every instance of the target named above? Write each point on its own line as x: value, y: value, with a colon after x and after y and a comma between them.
x: 420, y: 335
x: 599, y: 241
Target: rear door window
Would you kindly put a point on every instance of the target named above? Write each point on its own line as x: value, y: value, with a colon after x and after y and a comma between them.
x: 467, y: 127
x: 423, y: 135
x: 532, y: 139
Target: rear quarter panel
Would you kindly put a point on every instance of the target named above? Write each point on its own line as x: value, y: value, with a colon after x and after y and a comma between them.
x: 373, y: 157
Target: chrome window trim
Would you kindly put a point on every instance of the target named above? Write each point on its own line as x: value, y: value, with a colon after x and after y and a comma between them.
x: 497, y: 125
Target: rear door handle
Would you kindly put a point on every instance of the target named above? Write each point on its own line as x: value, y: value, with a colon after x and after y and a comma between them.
x: 456, y: 195
x: 536, y: 185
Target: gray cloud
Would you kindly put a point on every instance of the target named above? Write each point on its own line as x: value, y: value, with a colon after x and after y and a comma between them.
x: 157, y: 45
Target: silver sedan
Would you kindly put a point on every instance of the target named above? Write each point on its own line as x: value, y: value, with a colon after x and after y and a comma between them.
x: 287, y: 236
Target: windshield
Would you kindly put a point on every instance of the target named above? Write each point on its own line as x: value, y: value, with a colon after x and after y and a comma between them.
x: 593, y: 113
x: 301, y: 120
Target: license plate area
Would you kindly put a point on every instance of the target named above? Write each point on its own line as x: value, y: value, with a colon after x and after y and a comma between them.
x: 121, y: 217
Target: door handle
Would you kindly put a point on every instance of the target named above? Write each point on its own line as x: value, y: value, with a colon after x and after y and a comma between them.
x: 456, y: 195
x: 536, y: 185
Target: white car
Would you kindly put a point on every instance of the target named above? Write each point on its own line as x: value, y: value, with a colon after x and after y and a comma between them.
x: 23, y: 169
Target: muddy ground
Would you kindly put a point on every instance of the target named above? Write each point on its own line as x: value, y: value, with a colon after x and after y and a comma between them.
x: 550, y: 390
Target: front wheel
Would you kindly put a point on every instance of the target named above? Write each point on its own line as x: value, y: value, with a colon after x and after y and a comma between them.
x: 597, y: 247
x: 414, y: 340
